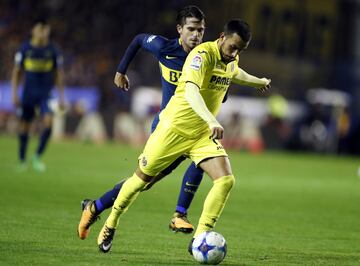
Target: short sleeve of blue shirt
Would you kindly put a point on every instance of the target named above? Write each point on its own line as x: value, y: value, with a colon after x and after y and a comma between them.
x: 151, y: 43
x: 154, y: 44
x: 19, y: 55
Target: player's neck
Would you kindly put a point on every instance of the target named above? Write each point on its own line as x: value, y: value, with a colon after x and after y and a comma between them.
x: 186, y: 48
x: 36, y: 42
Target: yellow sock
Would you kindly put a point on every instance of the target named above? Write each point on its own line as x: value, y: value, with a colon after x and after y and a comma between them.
x: 214, y: 203
x: 127, y: 195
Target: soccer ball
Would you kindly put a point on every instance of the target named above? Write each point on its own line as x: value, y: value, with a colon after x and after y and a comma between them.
x: 209, y: 248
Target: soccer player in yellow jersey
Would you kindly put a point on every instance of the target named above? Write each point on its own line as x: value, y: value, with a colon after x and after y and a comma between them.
x: 188, y: 127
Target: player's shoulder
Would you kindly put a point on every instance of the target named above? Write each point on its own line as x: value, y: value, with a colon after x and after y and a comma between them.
x: 25, y: 46
x: 205, y: 51
x: 154, y: 38
x: 155, y: 43
x: 173, y: 47
x: 54, y: 47
x: 206, y: 48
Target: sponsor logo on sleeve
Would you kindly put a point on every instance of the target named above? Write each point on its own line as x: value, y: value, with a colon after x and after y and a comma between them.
x: 150, y: 38
x: 196, y: 62
x: 144, y: 161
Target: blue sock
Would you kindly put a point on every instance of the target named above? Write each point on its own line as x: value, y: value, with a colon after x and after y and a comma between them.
x: 23, y: 141
x: 106, y: 201
x: 43, y: 141
x: 190, y: 184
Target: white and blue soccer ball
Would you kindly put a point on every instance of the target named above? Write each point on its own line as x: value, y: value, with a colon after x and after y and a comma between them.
x: 209, y: 248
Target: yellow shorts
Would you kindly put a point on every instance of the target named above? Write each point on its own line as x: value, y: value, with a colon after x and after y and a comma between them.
x: 164, y: 146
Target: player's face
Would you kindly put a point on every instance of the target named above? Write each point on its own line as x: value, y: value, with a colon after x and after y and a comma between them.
x: 41, y: 32
x: 191, y: 33
x: 231, y: 46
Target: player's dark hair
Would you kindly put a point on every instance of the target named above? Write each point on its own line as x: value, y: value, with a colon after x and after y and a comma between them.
x: 40, y: 20
x: 189, y: 12
x: 239, y: 27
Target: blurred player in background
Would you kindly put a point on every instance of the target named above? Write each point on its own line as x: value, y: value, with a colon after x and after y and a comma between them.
x: 188, y: 127
x: 41, y: 65
x: 171, y: 55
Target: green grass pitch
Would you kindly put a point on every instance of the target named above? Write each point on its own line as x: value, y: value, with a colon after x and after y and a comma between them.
x: 286, y: 209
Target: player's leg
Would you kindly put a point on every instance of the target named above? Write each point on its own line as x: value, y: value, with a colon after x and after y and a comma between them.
x: 45, y: 134
x: 162, y: 148
x: 23, y: 144
x: 47, y: 119
x: 107, y: 200
x: 91, y: 209
x: 191, y: 181
x: 212, y: 158
x: 26, y: 114
x: 190, y: 184
x: 127, y: 195
x: 219, y: 170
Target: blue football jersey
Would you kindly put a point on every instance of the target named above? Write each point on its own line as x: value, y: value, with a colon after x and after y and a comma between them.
x: 170, y: 55
x: 39, y: 65
x: 171, y: 58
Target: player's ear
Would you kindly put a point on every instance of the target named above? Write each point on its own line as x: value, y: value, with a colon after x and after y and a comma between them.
x: 222, y: 36
x: 179, y: 28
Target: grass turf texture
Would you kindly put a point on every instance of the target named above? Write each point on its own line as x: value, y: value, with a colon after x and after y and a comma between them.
x: 286, y: 209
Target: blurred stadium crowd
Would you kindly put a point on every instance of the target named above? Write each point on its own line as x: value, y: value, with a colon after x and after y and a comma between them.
x: 310, y: 50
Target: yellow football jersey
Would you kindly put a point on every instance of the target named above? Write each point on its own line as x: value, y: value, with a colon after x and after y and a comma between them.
x: 203, y: 67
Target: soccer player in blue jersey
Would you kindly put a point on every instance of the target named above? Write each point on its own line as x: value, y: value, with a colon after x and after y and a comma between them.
x: 171, y: 55
x: 41, y: 64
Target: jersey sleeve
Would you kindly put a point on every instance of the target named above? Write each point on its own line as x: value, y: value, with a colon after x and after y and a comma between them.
x: 150, y: 43
x: 19, y: 56
x: 243, y: 78
x: 195, y: 67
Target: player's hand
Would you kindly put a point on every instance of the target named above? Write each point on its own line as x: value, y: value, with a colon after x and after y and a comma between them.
x: 217, y: 131
x: 266, y: 87
x: 16, y: 100
x: 122, y: 81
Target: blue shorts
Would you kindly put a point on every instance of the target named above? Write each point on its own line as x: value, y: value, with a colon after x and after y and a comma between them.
x: 28, y: 109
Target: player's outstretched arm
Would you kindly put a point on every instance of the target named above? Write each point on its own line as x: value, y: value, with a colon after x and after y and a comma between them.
x: 150, y: 43
x: 243, y: 78
x: 193, y: 96
x: 121, y: 80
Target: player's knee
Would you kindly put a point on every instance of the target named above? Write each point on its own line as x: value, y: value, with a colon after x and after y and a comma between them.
x: 227, y: 181
x: 230, y: 181
x: 24, y: 127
